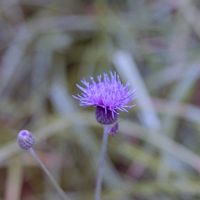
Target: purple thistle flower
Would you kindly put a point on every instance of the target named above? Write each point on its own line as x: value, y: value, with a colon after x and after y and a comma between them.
x: 107, y: 94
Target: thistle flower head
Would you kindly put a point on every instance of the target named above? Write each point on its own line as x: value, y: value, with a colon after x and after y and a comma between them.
x: 107, y: 94
x: 25, y: 139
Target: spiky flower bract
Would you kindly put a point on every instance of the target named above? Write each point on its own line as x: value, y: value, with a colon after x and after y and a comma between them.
x: 108, y: 94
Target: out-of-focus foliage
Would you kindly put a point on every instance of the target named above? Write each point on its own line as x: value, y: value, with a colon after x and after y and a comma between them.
x: 47, y: 46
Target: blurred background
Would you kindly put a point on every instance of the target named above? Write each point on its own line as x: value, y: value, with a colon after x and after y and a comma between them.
x: 47, y: 46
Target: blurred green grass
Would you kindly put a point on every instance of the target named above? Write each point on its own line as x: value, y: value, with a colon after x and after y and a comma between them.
x: 46, y: 47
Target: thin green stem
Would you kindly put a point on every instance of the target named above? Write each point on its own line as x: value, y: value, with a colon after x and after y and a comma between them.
x: 102, y: 158
x: 61, y: 193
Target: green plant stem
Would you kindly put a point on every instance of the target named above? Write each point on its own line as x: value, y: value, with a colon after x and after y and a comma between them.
x: 102, y: 157
x: 61, y: 193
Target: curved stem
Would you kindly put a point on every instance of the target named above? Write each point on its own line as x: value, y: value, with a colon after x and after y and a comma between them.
x: 102, y: 157
x: 53, y: 181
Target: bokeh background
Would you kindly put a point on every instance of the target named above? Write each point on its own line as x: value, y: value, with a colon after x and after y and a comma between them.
x: 47, y: 46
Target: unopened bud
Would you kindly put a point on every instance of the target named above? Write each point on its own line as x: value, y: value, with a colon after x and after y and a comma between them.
x: 25, y: 139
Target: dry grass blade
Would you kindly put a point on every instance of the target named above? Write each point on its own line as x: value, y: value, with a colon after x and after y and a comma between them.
x: 127, y: 67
